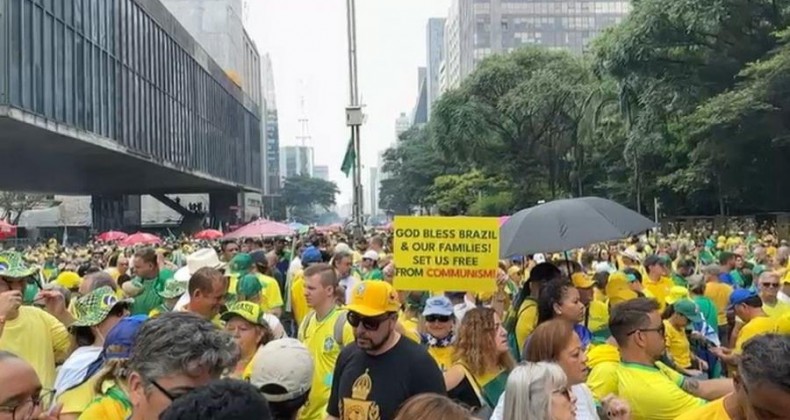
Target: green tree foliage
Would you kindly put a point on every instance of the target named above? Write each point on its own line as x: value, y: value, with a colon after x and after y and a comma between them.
x: 301, y: 194
x: 411, y: 168
x: 684, y: 100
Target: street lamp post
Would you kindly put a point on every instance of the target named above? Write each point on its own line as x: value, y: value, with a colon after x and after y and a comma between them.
x: 354, y: 117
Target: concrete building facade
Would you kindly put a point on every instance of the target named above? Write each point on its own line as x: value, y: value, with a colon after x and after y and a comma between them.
x: 476, y: 29
x: 296, y: 160
x: 435, y: 50
x: 321, y: 172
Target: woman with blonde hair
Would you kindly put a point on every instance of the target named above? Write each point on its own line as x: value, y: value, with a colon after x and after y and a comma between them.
x: 481, y: 362
x: 538, y: 391
x: 432, y: 407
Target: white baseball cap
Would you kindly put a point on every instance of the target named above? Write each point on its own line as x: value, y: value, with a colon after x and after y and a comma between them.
x: 371, y: 255
x: 206, y: 257
x: 285, y: 363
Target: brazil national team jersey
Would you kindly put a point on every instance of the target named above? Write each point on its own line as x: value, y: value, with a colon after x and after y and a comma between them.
x: 651, y: 394
x: 319, y: 338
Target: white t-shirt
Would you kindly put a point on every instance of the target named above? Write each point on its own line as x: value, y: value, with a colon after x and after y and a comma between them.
x: 585, y: 404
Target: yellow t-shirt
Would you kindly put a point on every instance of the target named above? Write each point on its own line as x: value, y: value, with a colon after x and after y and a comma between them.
x: 719, y: 293
x: 757, y: 326
x: 777, y: 310
x: 713, y: 410
x: 319, y: 338
x: 270, y: 296
x: 783, y: 324
x: 658, y: 289
x: 651, y: 394
x: 599, y: 315
x: 298, y: 300
x: 38, y: 338
x: 677, y: 345
x: 526, y: 322
x: 442, y: 355
x: 77, y: 399
x: 410, y: 327
x: 603, y: 361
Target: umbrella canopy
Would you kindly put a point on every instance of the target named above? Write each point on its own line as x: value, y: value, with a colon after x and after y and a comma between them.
x: 567, y: 224
x: 7, y: 230
x: 141, y: 238
x: 208, y: 234
x: 260, y: 227
x: 111, y: 236
x: 503, y: 219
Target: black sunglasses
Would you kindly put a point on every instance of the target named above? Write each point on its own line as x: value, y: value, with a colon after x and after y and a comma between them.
x: 661, y: 330
x: 369, y: 323
x: 437, y: 318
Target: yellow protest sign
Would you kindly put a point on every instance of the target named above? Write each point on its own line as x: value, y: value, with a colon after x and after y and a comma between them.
x: 446, y: 253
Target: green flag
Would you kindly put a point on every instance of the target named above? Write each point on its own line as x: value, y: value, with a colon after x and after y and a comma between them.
x: 349, y: 159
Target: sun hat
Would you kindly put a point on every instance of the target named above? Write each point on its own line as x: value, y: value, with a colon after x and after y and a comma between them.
x: 172, y: 289
x: 93, y: 308
x: 373, y: 298
x: 205, y: 257
x: 12, y: 266
x: 282, y: 370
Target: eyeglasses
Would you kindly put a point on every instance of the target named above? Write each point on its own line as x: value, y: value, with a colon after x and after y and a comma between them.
x: 660, y: 329
x: 24, y: 409
x: 369, y: 323
x: 437, y: 318
x: 769, y: 285
x: 170, y: 394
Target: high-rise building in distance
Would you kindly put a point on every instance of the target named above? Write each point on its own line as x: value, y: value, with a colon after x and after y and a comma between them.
x: 296, y: 160
x: 476, y: 29
x: 321, y: 172
x: 402, y: 124
x: 435, y: 49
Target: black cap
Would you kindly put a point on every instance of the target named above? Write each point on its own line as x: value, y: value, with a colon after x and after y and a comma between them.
x: 259, y: 257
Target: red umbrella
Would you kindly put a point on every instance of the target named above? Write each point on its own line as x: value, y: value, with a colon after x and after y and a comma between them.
x: 141, y: 238
x: 7, y: 230
x: 112, y: 235
x: 208, y: 234
x: 260, y: 227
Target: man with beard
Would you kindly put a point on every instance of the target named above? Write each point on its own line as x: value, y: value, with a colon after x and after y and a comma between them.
x: 382, y: 369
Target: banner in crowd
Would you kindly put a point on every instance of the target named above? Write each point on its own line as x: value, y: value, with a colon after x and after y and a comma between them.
x: 446, y: 253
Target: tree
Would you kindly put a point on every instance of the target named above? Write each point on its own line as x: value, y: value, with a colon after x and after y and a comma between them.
x: 517, y: 117
x: 13, y: 204
x: 456, y: 194
x: 302, y: 193
x: 411, y: 167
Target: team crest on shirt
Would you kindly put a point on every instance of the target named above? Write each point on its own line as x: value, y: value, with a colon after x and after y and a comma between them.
x: 329, y: 342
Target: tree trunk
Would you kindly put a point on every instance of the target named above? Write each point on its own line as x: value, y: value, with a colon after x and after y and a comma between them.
x: 720, y: 194
x: 638, y: 181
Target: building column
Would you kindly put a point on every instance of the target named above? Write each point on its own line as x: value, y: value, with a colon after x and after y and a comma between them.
x: 224, y: 209
x: 116, y: 212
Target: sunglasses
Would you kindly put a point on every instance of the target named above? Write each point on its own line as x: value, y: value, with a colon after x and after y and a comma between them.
x: 437, y: 318
x: 368, y: 323
x: 770, y: 285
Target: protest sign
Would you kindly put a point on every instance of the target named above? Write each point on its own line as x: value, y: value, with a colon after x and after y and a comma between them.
x: 446, y: 253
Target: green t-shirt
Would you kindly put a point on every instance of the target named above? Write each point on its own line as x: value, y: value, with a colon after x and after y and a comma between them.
x: 374, y: 274
x: 679, y: 280
x: 149, y: 298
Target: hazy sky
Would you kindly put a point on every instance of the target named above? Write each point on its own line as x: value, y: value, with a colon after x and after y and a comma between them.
x: 308, y: 45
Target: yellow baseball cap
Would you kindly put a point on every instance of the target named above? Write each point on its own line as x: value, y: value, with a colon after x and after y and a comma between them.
x: 581, y: 281
x: 373, y: 298
x: 249, y: 311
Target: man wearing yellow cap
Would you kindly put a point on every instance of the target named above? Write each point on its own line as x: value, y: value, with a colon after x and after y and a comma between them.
x: 370, y: 380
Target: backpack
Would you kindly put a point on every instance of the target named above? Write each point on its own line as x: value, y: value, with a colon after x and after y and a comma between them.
x: 511, y: 321
x: 340, y: 323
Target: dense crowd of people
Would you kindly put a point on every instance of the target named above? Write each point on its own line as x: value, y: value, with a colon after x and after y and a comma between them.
x: 311, y: 328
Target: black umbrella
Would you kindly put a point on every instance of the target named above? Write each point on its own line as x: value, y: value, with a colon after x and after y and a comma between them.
x: 562, y: 225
